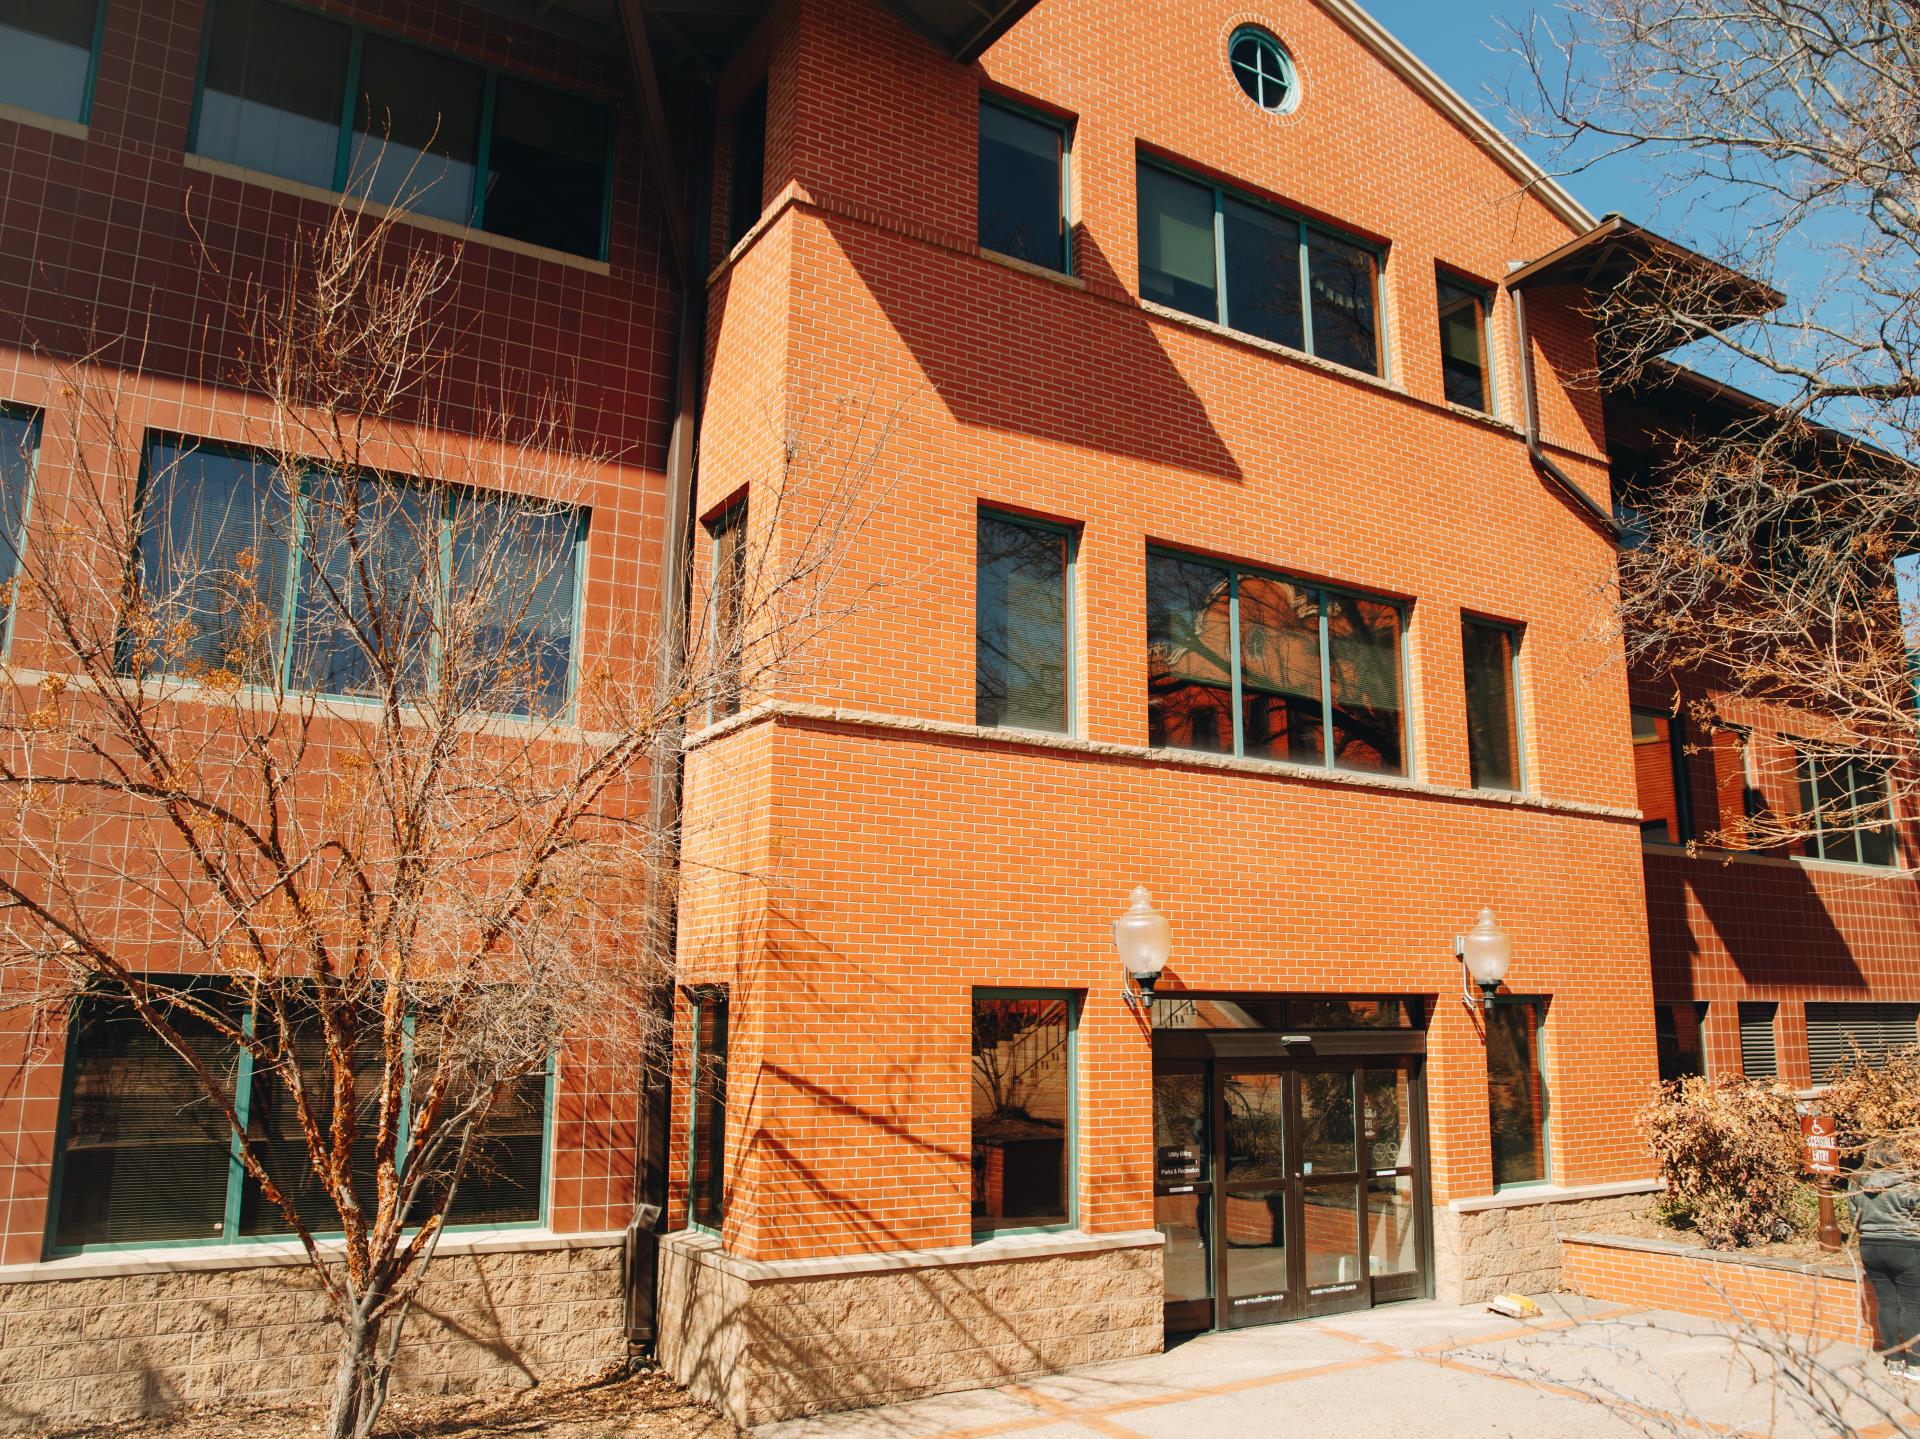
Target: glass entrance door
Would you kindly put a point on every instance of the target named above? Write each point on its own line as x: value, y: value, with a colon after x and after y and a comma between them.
x: 1287, y: 1190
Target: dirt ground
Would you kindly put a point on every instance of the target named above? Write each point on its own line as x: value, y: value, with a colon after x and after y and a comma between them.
x: 1647, y: 1224
x: 645, y: 1405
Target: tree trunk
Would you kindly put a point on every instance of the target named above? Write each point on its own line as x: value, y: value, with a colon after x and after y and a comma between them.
x: 359, y: 1382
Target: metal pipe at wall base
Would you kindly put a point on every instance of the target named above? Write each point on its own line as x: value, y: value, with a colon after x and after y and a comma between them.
x: 1542, y: 461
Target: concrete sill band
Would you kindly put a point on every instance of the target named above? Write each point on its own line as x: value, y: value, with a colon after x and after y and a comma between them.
x: 277, y: 1253
x: 705, y: 1249
x: 1679, y: 1249
x: 1552, y: 1194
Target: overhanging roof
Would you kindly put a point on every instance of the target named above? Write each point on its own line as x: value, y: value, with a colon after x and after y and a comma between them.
x: 709, y: 32
x: 1617, y: 253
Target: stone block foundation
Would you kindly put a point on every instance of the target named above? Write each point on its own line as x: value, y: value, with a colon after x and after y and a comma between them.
x: 764, y: 1341
x: 1510, y: 1243
x: 1818, y: 1301
x: 100, y: 1338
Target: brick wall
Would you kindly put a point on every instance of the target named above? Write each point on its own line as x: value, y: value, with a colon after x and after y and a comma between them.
x: 1819, y: 1302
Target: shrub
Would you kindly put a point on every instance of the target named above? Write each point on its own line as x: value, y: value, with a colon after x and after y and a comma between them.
x: 1877, y: 1099
x: 1729, y: 1149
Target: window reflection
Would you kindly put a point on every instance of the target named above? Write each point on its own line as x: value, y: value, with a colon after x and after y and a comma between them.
x: 1021, y: 1068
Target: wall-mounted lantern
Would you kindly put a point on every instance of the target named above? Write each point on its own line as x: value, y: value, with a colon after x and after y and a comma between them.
x: 1484, y: 953
x: 1144, y: 939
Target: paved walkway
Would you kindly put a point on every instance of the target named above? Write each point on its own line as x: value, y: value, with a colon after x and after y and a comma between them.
x: 1429, y: 1371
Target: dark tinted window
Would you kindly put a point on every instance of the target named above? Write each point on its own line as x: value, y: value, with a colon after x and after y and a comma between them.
x: 728, y: 614
x: 1021, y: 1104
x: 417, y: 129
x: 273, y: 1125
x: 275, y: 88
x: 748, y: 176
x: 707, y: 1178
x: 1656, y: 761
x: 46, y: 50
x: 1020, y: 626
x: 515, y: 571
x: 1176, y: 243
x: 1341, y: 279
x: 547, y: 168
x: 1262, y: 68
x: 1189, y: 654
x: 1677, y: 1037
x: 1263, y: 272
x: 1517, y: 1090
x: 1022, y: 186
x: 19, y: 452
x: 215, y: 545
x: 144, y: 1152
x: 1281, y: 704
x: 1363, y: 659
x: 1493, y: 709
x: 1463, y: 355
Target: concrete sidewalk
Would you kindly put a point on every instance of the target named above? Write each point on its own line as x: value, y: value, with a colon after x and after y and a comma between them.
x: 1426, y: 1371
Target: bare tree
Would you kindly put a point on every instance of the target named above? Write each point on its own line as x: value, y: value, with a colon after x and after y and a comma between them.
x: 1788, y: 133
x: 308, y: 773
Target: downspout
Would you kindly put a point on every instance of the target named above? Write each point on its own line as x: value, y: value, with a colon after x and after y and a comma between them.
x: 1542, y: 461
x: 652, y: 1147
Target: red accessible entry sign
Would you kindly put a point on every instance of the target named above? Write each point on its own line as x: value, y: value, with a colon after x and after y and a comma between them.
x: 1820, y: 1133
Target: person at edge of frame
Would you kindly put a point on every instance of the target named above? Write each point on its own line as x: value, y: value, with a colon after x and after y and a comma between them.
x: 1885, y: 1198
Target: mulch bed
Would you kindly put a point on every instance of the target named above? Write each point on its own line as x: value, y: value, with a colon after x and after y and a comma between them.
x: 1647, y: 1224
x: 643, y: 1405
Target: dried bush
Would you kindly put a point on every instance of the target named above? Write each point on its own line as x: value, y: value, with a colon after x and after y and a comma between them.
x: 1729, y: 1150
x: 1877, y: 1099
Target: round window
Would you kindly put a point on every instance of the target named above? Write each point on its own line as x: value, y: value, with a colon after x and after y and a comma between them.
x: 1263, y: 69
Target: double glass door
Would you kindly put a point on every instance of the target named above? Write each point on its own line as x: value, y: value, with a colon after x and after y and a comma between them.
x: 1285, y: 1189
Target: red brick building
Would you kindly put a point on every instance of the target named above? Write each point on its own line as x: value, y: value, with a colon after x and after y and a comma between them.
x: 1198, y: 390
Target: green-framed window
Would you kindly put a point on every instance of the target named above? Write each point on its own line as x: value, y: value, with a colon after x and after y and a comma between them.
x: 707, y: 1107
x: 1263, y: 69
x: 1222, y: 255
x: 1023, y: 1080
x: 1466, y: 369
x: 253, y: 572
x: 1023, y: 624
x: 50, y: 55
x: 306, y: 96
x: 144, y: 1158
x: 1517, y: 1111
x: 1491, y: 658
x: 1025, y: 184
x: 1660, y: 777
x: 1246, y: 662
x: 19, y: 459
x: 727, y: 607
x: 1849, y: 803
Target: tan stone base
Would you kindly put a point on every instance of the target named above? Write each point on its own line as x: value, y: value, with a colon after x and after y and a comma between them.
x: 126, y: 1337
x: 1510, y: 1243
x: 769, y: 1341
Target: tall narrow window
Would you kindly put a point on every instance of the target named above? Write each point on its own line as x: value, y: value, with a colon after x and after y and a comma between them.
x: 216, y: 529
x: 46, y: 55
x: 1848, y: 809
x: 1492, y: 655
x: 1659, y: 777
x: 1177, y: 263
x: 1759, y: 1052
x: 1318, y: 674
x: 517, y: 563
x: 1463, y: 345
x: 145, y: 1155
x: 1022, y: 1084
x: 1678, y: 1030
x: 417, y: 132
x: 1023, y: 185
x: 747, y: 176
x: 273, y: 90
x: 1517, y: 1090
x: 1284, y: 280
x: 728, y: 607
x: 707, y: 1156
x: 19, y: 456
x: 1021, y: 625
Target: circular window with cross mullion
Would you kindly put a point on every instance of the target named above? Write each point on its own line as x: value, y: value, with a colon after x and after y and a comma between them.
x: 1264, y: 70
